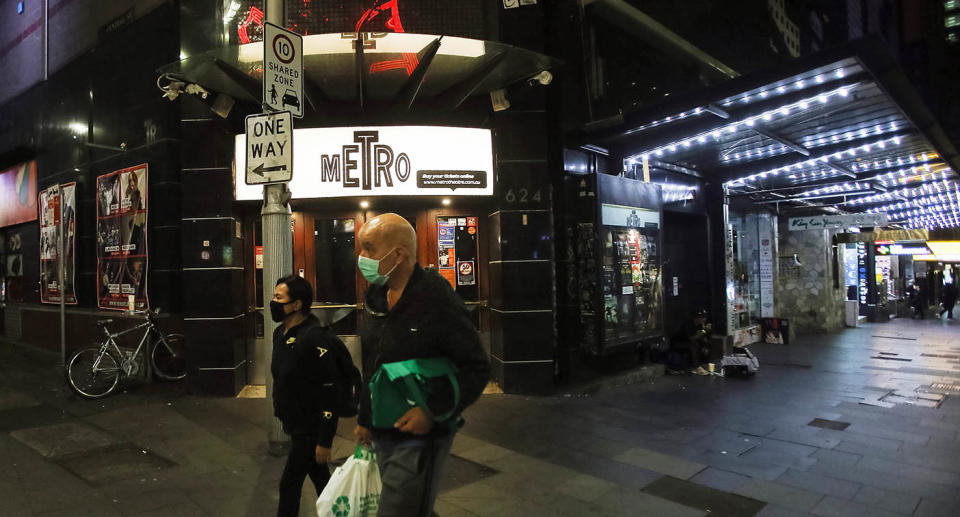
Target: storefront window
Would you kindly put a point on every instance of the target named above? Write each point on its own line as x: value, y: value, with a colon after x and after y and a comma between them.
x: 746, y: 248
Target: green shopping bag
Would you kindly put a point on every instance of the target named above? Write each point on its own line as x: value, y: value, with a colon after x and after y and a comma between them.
x: 397, y: 387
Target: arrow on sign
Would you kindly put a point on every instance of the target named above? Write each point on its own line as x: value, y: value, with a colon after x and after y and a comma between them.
x: 260, y: 169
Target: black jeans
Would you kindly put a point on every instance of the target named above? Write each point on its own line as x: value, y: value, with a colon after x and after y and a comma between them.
x: 300, y: 462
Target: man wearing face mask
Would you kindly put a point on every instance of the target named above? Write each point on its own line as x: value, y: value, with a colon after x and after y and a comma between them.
x: 413, y: 313
x: 306, y: 380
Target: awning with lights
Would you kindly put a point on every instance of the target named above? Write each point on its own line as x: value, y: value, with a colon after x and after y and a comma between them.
x: 393, y: 69
x: 841, y: 131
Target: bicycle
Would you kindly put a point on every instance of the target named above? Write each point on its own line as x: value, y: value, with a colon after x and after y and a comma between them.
x: 95, y: 372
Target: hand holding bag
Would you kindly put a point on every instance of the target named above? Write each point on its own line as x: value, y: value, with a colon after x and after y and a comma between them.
x: 397, y: 387
x: 353, y: 489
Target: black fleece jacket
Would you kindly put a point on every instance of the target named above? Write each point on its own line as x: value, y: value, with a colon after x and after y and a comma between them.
x: 429, y: 320
x: 306, y: 379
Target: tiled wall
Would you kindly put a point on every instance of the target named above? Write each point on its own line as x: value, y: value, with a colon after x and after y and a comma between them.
x: 805, y: 293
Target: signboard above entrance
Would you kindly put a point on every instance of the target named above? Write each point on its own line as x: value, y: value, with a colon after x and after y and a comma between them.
x: 832, y: 222
x: 383, y: 161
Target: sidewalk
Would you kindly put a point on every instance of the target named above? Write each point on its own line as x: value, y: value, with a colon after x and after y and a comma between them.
x: 677, y: 446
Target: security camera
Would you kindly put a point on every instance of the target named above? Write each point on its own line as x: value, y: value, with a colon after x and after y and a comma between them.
x: 196, y: 89
x: 544, y: 78
x: 172, y: 89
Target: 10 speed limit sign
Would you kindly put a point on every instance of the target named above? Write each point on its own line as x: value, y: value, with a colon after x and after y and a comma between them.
x: 283, y: 69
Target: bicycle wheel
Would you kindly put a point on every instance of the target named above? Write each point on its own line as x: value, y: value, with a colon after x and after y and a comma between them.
x: 168, y: 360
x: 90, y: 382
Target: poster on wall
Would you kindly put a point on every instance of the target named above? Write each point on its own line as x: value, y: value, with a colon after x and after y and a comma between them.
x: 446, y: 260
x: 57, y: 209
x: 466, y: 273
x: 18, y: 194
x: 122, y: 239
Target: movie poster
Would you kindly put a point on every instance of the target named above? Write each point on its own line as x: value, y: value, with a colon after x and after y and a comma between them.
x: 57, y: 204
x: 122, y: 239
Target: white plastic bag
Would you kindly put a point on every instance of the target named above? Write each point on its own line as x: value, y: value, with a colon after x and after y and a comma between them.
x: 353, y: 489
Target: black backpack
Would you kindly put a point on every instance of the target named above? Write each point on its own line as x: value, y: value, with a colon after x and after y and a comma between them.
x: 348, y: 393
x: 348, y: 404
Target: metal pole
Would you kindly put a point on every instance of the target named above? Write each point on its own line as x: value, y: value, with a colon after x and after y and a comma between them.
x: 277, y: 262
x: 60, y: 278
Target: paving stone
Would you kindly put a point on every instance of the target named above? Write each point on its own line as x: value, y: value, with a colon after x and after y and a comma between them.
x: 782, y: 495
x: 657, y: 462
x: 779, y: 457
x: 741, y: 465
x: 102, y: 466
x: 176, y: 510
x: 887, y: 500
x: 720, y: 479
x: 903, y: 469
x: 934, y: 508
x: 630, y: 501
x: 10, y: 399
x: 448, y: 509
x: 586, y: 488
x: 31, y: 416
x: 836, y: 457
x: 833, y: 507
x: 712, y: 501
x: 820, y: 484
x: 774, y: 510
x: 458, y: 471
x: 804, y: 437
x: 62, y: 439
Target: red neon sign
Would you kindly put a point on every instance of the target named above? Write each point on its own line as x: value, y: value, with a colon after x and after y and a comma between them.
x: 393, y: 23
x: 409, y: 61
x: 255, y: 16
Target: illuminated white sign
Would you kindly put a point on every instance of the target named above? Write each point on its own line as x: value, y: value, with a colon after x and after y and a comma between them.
x: 629, y: 216
x: 383, y: 161
x: 822, y: 222
x: 374, y: 43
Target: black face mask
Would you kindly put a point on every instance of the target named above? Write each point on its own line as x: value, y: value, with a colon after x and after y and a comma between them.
x: 277, y: 312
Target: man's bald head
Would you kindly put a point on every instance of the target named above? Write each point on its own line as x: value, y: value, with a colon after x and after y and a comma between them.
x: 387, y: 232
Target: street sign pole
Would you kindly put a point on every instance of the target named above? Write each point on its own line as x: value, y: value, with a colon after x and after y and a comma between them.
x: 61, y: 263
x: 277, y: 260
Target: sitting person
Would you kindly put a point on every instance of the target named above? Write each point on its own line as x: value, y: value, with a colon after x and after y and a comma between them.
x: 691, y: 342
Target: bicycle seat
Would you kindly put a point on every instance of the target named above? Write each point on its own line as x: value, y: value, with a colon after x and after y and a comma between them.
x: 104, y: 322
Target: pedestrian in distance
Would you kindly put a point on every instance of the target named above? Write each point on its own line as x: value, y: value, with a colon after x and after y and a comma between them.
x: 690, y: 345
x: 918, y: 300
x: 306, y: 388
x: 949, y: 299
x: 413, y: 314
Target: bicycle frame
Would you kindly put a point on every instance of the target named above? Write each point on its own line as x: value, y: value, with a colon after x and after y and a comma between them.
x: 112, y: 341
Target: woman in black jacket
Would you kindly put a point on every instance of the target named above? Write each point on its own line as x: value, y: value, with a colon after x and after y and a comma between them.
x: 306, y: 384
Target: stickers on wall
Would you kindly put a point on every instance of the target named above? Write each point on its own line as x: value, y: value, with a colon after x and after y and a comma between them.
x: 446, y: 260
x: 466, y: 273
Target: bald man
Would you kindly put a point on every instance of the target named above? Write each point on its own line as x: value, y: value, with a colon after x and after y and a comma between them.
x: 413, y: 313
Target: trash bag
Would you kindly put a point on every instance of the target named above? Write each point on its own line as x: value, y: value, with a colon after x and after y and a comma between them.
x: 353, y: 489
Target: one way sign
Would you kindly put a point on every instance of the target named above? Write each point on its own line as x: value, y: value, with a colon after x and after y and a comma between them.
x: 269, y: 148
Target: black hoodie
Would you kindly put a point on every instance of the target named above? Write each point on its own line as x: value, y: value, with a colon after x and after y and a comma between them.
x: 429, y: 320
x: 306, y: 379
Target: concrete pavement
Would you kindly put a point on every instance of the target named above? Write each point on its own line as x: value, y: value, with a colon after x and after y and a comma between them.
x: 861, y: 422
